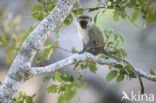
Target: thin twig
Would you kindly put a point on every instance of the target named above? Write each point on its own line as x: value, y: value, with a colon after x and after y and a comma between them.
x: 89, y: 8
x: 64, y: 49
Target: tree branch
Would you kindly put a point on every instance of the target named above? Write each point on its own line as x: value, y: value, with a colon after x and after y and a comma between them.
x: 145, y: 75
x: 95, y: 8
x: 82, y: 57
x: 69, y: 61
x: 19, y: 70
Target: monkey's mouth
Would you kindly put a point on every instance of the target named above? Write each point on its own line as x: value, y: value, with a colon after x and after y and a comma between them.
x: 83, y: 23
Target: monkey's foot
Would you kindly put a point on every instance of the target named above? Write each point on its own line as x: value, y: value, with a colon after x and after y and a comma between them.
x: 81, y: 52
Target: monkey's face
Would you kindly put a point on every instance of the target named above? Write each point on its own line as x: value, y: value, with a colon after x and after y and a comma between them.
x: 83, y: 24
x: 84, y: 21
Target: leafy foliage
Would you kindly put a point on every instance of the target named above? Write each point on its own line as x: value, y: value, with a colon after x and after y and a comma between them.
x: 140, y: 7
x: 43, y: 9
x: 113, y: 42
x: 120, y: 72
x: 68, y: 87
x: 86, y: 64
x: 23, y: 98
x: 10, y: 39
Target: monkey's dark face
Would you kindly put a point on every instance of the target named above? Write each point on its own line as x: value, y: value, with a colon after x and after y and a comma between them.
x: 84, y: 20
x: 83, y: 24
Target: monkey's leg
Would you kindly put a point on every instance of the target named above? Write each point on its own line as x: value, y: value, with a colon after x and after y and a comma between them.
x: 84, y: 50
x: 87, y: 46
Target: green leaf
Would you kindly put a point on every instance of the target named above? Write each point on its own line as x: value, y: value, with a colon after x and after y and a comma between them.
x: 83, y: 85
x: 135, y: 15
x: 118, y: 66
x: 78, y: 12
x: 48, y: 42
x: 40, y: 16
x: 95, y: 18
x: 23, y: 98
x: 120, y: 78
x: 51, y: 1
x: 76, y: 4
x: 101, y: 56
x: 42, y: 56
x: 3, y: 42
x: 46, y: 78
x: 68, y: 20
x: 110, y: 43
x: 122, y: 13
x: 111, y: 75
x: 152, y: 72
x: 24, y: 36
x: 80, y: 77
x: 52, y: 89
x: 37, y: 8
x: 150, y: 15
x: 31, y: 28
x: 74, y: 50
x: 63, y: 87
x: 115, y: 16
x: 67, y: 96
x: 121, y: 38
x: 107, y: 31
x: 0, y: 83
x: 98, y: 0
x: 58, y: 76
x: 50, y: 8
x: 76, y: 65
x: 93, y: 68
x: 123, y: 52
x: 67, y: 77
x: 115, y: 36
x: 84, y: 66
x: 49, y: 50
x: 28, y: 0
x: 35, y: 14
x: 130, y: 70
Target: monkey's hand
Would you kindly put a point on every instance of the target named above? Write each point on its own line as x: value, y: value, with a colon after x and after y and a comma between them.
x: 81, y: 52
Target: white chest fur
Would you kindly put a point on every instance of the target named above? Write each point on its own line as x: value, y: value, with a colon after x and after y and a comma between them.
x: 84, y: 34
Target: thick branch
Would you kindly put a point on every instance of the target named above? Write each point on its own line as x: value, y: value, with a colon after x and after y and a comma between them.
x: 21, y: 65
x: 145, y: 75
x: 69, y: 61
x: 82, y: 57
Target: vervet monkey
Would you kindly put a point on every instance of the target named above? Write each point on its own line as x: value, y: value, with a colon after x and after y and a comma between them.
x: 93, y: 41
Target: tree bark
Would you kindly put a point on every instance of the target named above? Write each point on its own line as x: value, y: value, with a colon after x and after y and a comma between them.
x: 19, y: 70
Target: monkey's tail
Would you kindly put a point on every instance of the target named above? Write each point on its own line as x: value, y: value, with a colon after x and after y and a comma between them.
x: 135, y: 72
